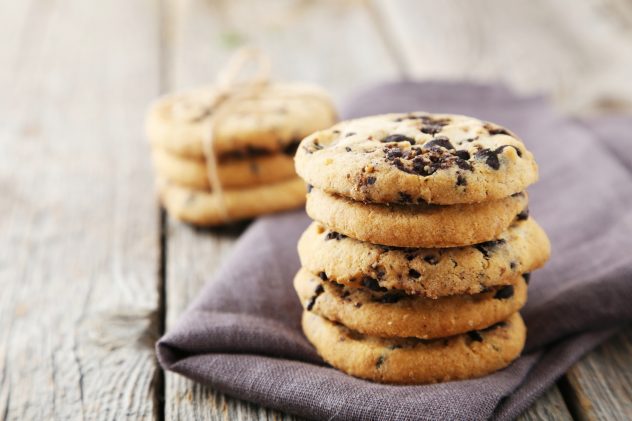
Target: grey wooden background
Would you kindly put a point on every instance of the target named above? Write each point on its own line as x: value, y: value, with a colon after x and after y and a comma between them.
x: 91, y: 270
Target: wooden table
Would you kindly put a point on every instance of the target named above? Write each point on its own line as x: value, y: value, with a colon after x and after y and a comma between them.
x: 91, y: 270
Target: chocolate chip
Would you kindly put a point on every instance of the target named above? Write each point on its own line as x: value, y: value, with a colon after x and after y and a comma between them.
x: 323, y: 276
x: 427, y: 119
x: 391, y: 297
x: 371, y: 180
x: 500, y: 149
x: 414, y: 274
x: 465, y: 155
x: 250, y: 151
x: 431, y: 129
x: 380, y: 361
x: 290, y: 148
x: 491, y: 158
x: 319, y: 290
x: 333, y: 235
x: 392, y: 153
x: 348, y: 149
x: 431, y: 259
x: 463, y: 164
x: 461, y: 180
x: 504, y: 292
x: 496, y: 130
x: 405, y: 197
x: 349, y: 134
x: 438, y: 142
x: 527, y: 277
x: 309, y: 188
x: 475, y: 336
x: 512, y: 265
x: 488, y: 246
x: 523, y: 215
x: 372, y: 284
x: 398, y: 138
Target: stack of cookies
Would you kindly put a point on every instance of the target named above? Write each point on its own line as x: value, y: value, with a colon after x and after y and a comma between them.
x: 419, y: 257
x: 248, y: 154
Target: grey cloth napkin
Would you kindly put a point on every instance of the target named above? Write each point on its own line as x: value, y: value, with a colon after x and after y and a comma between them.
x: 242, y: 335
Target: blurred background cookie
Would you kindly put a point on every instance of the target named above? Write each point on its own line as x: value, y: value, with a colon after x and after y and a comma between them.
x: 225, y: 152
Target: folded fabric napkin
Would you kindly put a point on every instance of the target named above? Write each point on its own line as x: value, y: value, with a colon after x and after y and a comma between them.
x: 242, y: 335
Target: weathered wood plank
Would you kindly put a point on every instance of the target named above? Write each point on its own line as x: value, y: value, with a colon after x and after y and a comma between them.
x: 577, y: 51
x: 332, y: 44
x: 549, y: 406
x: 79, y: 229
x: 599, y: 386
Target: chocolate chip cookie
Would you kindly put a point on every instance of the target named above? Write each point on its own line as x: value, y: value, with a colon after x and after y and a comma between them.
x: 414, y: 361
x: 433, y: 273
x: 233, y: 173
x: 203, y: 208
x: 415, y: 225
x: 274, y: 120
x: 417, y: 157
x: 374, y: 311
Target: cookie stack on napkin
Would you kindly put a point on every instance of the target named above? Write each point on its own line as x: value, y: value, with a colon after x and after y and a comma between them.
x: 419, y: 257
x: 219, y: 160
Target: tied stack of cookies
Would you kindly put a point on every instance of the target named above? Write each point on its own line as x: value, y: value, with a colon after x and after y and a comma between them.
x: 421, y: 249
x: 225, y: 152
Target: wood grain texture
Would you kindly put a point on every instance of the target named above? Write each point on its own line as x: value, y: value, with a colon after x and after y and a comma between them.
x: 333, y: 44
x: 79, y: 255
x: 599, y: 386
x: 579, y: 52
x: 550, y: 406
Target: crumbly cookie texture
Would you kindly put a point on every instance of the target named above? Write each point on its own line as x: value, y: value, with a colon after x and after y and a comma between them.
x: 202, y: 208
x: 407, y: 158
x: 433, y: 273
x: 234, y: 173
x: 274, y: 120
x: 420, y: 225
x: 377, y: 312
x: 416, y: 361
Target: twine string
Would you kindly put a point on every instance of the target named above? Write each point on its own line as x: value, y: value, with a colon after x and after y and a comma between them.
x: 229, y: 90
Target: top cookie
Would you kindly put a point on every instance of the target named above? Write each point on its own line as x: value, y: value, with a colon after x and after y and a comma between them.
x: 418, y: 157
x: 273, y: 120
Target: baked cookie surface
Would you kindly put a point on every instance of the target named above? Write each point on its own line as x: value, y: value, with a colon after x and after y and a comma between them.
x: 234, y: 173
x: 419, y: 225
x: 433, y: 273
x: 274, y: 120
x: 407, y: 158
x: 203, y: 208
x: 373, y: 312
x: 416, y: 361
